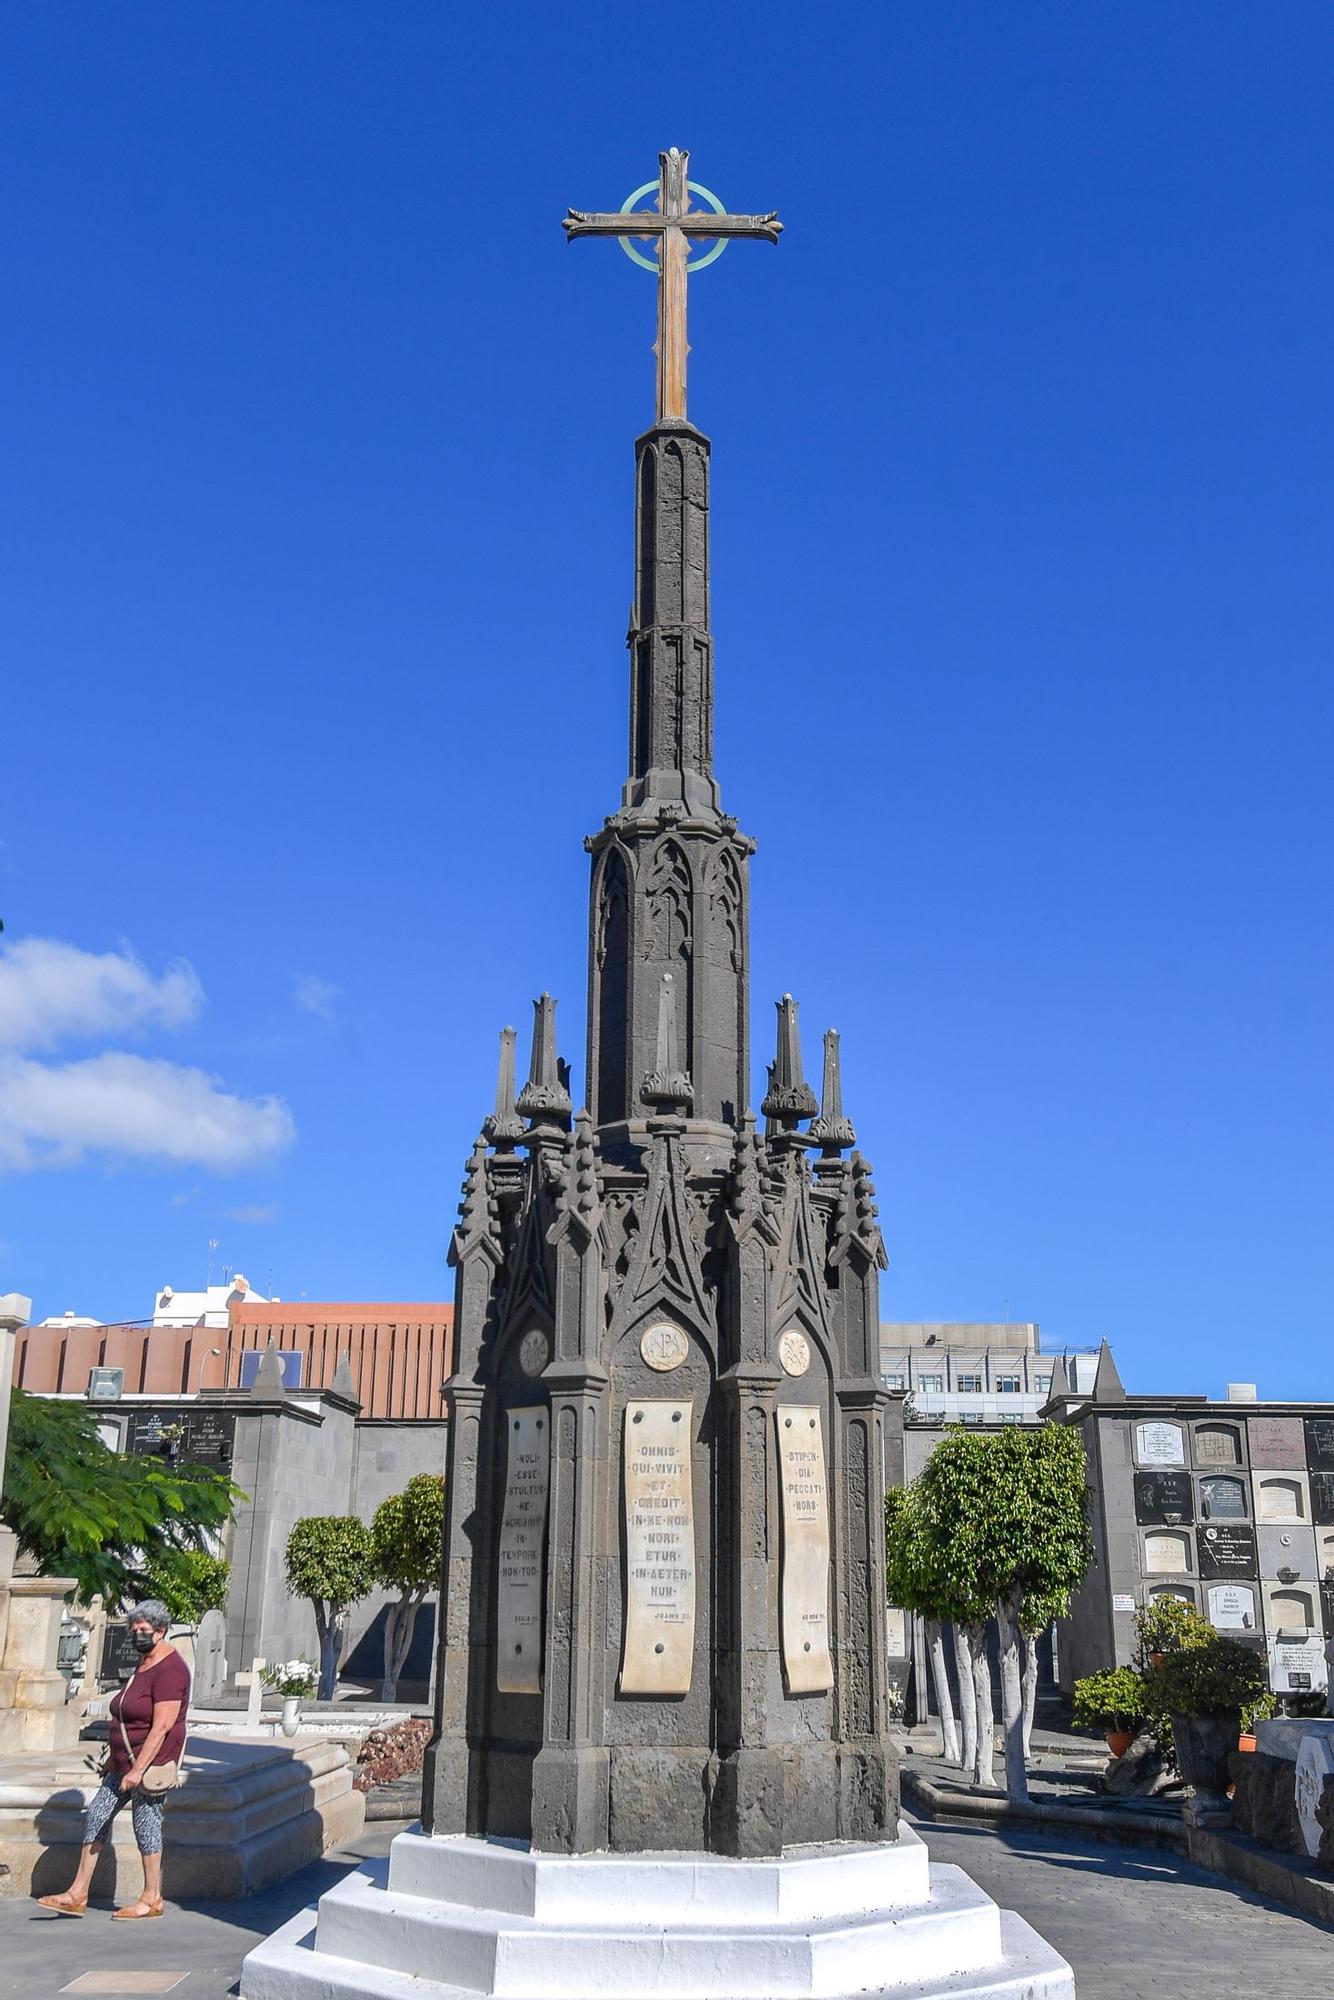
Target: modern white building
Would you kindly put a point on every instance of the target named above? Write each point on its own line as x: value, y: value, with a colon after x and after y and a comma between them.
x: 983, y: 1372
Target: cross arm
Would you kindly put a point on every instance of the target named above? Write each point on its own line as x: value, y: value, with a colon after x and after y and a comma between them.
x: 646, y: 222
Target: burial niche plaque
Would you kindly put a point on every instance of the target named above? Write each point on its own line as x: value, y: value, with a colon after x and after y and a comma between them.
x: 804, y: 1576
x: 1163, y: 1499
x: 659, y: 1550
x: 1160, y: 1444
x: 1227, y: 1548
x: 523, y: 1533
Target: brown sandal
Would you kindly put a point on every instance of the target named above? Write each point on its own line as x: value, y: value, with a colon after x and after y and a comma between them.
x: 138, y: 1911
x: 64, y: 1904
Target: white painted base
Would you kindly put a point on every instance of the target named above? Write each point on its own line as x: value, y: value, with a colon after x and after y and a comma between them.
x: 455, y: 1919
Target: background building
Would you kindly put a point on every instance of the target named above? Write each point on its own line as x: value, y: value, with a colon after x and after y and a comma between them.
x: 1228, y: 1505
x: 975, y: 1372
x: 312, y: 1409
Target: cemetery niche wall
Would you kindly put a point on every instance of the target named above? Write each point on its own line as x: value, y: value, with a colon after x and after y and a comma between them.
x: 1227, y: 1506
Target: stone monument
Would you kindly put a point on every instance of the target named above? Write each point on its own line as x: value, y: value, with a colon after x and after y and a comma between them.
x: 662, y: 1760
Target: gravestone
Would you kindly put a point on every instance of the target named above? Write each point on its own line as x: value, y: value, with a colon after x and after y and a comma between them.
x: 1320, y: 1444
x: 1163, y: 1499
x: 1277, y: 1443
x: 1223, y: 1498
x: 1227, y: 1549
x: 1322, y: 1498
x: 1160, y: 1444
x: 210, y: 1672
x: 1231, y: 1607
x: 1287, y: 1552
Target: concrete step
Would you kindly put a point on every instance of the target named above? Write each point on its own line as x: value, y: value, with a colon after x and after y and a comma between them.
x: 287, y: 1967
x: 513, y: 1957
x: 812, y: 1883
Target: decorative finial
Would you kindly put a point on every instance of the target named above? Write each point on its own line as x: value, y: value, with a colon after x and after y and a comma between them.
x: 789, y: 1098
x: 677, y: 228
x: 505, y: 1126
x: 667, y: 1087
x: 545, y: 1098
x: 831, y: 1128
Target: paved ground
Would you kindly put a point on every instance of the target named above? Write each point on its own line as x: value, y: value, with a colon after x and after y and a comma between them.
x: 199, y: 1948
x: 1136, y: 1924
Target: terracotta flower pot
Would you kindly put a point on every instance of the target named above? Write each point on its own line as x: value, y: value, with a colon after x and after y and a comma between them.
x: 1119, y: 1740
x: 1245, y: 1741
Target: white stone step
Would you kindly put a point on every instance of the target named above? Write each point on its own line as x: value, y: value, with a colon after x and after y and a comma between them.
x: 516, y: 1957
x: 667, y: 1889
x: 287, y: 1967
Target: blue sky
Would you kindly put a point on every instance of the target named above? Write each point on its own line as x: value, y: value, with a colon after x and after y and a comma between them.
x: 317, y: 496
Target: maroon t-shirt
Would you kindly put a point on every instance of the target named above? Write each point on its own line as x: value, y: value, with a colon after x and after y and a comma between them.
x: 169, y: 1680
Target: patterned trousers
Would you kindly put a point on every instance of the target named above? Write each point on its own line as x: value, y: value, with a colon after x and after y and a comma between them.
x: 145, y: 1815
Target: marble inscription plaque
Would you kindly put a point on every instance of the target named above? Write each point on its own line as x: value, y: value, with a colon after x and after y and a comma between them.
x: 1160, y: 1444
x: 523, y: 1532
x: 659, y: 1550
x: 1232, y: 1607
x: 804, y: 1577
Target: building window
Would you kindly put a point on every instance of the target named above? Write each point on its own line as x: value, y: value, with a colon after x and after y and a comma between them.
x: 1044, y: 1385
x: 969, y: 1385
x: 1007, y: 1385
x: 894, y: 1382
x: 1011, y: 1417
x: 931, y: 1385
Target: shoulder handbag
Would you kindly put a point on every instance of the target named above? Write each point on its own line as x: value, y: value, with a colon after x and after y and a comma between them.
x: 158, y: 1778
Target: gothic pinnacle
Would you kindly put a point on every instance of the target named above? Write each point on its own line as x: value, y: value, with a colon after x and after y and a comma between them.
x: 545, y: 1098
x: 505, y: 1126
x: 831, y: 1128
x: 667, y: 1088
x: 789, y: 1098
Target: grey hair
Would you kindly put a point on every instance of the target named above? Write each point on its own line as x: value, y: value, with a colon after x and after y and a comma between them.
x: 151, y: 1612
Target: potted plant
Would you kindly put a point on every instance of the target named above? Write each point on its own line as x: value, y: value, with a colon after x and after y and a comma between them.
x: 1112, y: 1702
x: 1206, y: 1691
x: 296, y: 1681
x: 1168, y: 1625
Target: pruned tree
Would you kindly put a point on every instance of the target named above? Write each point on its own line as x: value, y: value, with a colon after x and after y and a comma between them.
x: 118, y: 1524
x: 952, y: 1493
x: 330, y: 1560
x: 407, y: 1535
x: 910, y: 1583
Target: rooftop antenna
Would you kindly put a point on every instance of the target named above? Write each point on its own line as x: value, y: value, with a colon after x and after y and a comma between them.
x: 212, y: 1246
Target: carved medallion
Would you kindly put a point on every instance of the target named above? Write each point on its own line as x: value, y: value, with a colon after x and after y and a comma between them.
x: 534, y: 1352
x: 794, y: 1352
x: 663, y: 1346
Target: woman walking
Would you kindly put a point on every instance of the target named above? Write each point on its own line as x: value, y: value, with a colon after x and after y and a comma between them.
x: 147, y: 1729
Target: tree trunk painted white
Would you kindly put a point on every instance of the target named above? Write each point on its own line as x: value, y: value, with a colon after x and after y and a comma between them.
x: 1030, y: 1689
x: 963, y: 1667
x: 949, y: 1735
x: 984, y: 1759
x: 330, y: 1623
x: 399, y: 1625
x: 1012, y: 1700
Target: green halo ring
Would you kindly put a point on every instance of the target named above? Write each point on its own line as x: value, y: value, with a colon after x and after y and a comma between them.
x: 651, y: 263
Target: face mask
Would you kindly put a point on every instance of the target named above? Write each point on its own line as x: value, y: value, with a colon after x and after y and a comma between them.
x: 143, y: 1642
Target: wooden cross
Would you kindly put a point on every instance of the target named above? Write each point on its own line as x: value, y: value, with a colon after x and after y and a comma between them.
x: 674, y: 224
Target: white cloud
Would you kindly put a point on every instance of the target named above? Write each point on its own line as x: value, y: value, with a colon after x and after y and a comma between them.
x: 314, y: 995
x: 50, y: 991
x: 56, y: 1114
x: 255, y: 1212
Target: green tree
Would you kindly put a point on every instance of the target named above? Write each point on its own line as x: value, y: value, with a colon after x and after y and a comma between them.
x: 190, y: 1582
x: 952, y: 1491
x: 331, y: 1561
x: 911, y: 1583
x: 407, y: 1535
x: 1007, y: 1515
x: 115, y: 1523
